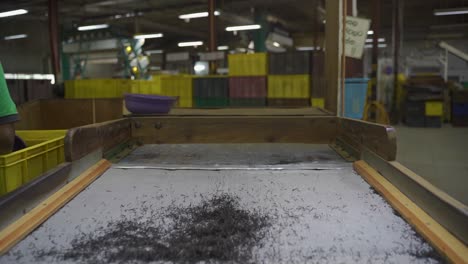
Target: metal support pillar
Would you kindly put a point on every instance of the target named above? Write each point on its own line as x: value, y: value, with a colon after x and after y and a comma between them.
x: 375, y: 47
x: 397, y: 29
x: 212, y: 28
x: 375, y: 53
x: 261, y: 34
x: 53, y: 37
x: 333, y: 49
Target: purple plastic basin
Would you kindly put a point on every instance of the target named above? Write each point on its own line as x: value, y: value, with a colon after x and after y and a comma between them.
x: 144, y: 104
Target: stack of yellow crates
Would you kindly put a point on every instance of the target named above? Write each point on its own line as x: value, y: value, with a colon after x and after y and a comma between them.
x: 289, y: 90
x: 289, y: 79
x: 253, y: 64
x: 144, y: 87
x: 179, y: 86
x: 95, y: 88
x: 247, y: 79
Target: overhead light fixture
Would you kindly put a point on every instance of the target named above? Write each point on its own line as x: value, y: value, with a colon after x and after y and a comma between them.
x: 190, y: 44
x: 103, y: 61
x: 34, y: 76
x: 370, y: 32
x: 451, y: 11
x: 154, y: 52
x: 379, y: 45
x: 371, y: 40
x: 276, y: 44
x: 93, y: 27
x: 197, y: 15
x: 20, y: 36
x: 149, y: 36
x: 13, y: 13
x: 305, y: 48
x: 246, y: 27
x: 223, y: 47
x: 199, y: 67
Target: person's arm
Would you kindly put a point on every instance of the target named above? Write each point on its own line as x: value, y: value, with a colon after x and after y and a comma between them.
x: 8, y: 115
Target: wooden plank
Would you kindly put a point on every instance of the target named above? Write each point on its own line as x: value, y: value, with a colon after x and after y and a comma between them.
x: 332, y: 53
x: 11, y: 235
x: 309, y: 111
x: 446, y: 210
x: 447, y: 244
x: 15, y: 203
x: 113, y: 133
x: 230, y: 129
x: 108, y: 109
x: 67, y: 113
x: 361, y: 135
x: 30, y: 116
x: 83, y: 140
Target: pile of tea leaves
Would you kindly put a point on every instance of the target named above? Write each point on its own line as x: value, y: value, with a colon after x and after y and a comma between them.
x: 216, y: 229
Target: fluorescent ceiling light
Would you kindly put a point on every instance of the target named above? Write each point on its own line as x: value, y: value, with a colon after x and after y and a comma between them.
x: 13, y: 13
x: 380, y: 45
x: 370, y: 32
x: 371, y: 40
x: 154, y: 51
x: 34, y: 76
x: 190, y: 44
x: 305, y: 48
x: 20, y: 36
x: 93, y: 27
x: 246, y: 27
x: 148, y: 36
x: 223, y: 47
x: 276, y: 44
x: 103, y: 61
x: 451, y: 11
x: 197, y: 15
x: 199, y: 67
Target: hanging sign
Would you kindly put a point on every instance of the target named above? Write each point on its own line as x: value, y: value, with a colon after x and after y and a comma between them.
x: 355, y: 36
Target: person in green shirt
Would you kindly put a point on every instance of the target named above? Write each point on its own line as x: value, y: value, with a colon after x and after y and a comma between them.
x: 8, y: 116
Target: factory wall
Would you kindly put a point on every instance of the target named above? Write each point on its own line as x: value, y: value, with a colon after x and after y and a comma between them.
x: 29, y: 55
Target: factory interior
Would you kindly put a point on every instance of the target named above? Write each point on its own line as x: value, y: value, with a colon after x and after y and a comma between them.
x: 233, y: 131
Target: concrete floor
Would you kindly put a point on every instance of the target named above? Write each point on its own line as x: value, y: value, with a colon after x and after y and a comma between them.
x: 440, y: 155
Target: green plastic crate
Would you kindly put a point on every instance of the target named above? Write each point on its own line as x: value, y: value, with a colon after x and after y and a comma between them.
x: 215, y: 102
x: 247, y: 102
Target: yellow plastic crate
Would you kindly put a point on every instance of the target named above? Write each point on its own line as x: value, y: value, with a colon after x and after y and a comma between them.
x: 45, y: 151
x: 123, y: 86
x: 317, y: 102
x: 288, y: 86
x: 434, y: 109
x: 95, y: 88
x: 70, y: 89
x: 145, y: 87
x: 254, y: 64
x: 180, y: 86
